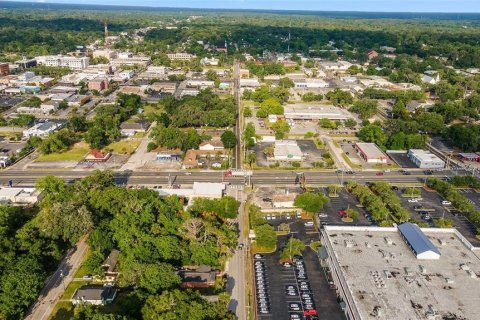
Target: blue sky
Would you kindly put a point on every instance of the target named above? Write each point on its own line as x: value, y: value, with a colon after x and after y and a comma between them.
x: 320, y: 5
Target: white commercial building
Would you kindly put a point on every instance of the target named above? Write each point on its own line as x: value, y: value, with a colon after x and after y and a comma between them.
x: 335, y: 65
x: 315, y: 112
x: 181, y: 56
x: 310, y: 84
x: 402, y: 272
x: 19, y: 195
x: 210, y: 190
x: 287, y: 150
x: 249, y: 83
x: 73, y: 63
x: 425, y: 159
x: 200, y: 83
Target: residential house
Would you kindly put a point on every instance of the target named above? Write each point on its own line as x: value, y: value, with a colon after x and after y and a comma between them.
x: 109, y: 265
x: 202, y: 277
x: 49, y: 107
x: 94, y: 295
x: 431, y: 79
x: 129, y: 129
x: 372, y: 54
x: 41, y: 129
x: 211, y: 145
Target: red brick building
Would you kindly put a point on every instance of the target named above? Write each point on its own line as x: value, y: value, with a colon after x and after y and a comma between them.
x: 98, y: 84
x: 4, y: 69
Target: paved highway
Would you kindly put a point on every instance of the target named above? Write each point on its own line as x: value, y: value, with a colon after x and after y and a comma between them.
x: 278, y: 178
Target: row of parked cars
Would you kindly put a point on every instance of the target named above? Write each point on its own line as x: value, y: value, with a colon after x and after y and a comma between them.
x: 261, y: 283
x: 303, y: 290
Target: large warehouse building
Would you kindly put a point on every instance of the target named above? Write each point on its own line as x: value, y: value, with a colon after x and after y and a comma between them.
x: 403, y: 272
x: 316, y: 112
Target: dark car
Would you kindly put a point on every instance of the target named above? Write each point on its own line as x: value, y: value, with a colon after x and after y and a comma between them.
x: 428, y: 172
x: 406, y: 173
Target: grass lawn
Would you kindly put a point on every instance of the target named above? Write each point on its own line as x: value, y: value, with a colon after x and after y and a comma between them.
x: 123, y: 146
x: 83, y: 269
x: 76, y: 153
x: 64, y: 309
x: 259, y: 249
x: 152, y: 109
x: 350, y: 163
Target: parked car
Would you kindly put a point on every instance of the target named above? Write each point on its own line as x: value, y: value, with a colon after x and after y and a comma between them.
x: 379, y: 174
x: 446, y: 203
x: 294, y: 307
x: 308, y: 224
x: 406, y: 173
x: 258, y: 256
x: 413, y: 200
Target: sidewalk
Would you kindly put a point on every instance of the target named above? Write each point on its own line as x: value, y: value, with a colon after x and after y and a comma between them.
x: 336, y: 153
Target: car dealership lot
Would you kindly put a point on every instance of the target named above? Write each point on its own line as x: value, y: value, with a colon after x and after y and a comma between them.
x: 285, y: 287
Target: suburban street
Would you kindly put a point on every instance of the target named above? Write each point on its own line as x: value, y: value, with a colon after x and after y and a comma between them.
x: 56, y: 284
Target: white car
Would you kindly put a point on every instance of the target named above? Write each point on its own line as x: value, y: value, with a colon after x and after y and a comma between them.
x: 446, y: 203
x: 308, y: 224
x: 413, y: 200
x: 387, y: 170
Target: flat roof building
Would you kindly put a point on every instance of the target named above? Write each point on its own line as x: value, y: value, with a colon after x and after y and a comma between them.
x: 181, y: 56
x: 403, y: 272
x: 425, y: 159
x: 370, y: 152
x: 287, y: 150
x: 315, y: 112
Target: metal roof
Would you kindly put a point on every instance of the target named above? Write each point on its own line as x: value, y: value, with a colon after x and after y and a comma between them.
x: 416, y: 239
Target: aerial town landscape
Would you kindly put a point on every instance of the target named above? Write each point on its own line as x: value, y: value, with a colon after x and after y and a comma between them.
x: 216, y: 164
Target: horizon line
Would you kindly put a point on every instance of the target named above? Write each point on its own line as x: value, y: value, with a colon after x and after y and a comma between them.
x: 236, y: 9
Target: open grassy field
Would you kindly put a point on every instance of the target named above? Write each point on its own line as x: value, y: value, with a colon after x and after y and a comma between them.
x: 125, y: 146
x: 76, y: 153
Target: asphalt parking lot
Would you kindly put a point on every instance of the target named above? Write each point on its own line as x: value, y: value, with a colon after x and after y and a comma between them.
x: 431, y: 205
x: 343, y: 202
x: 279, y: 278
x: 402, y: 160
